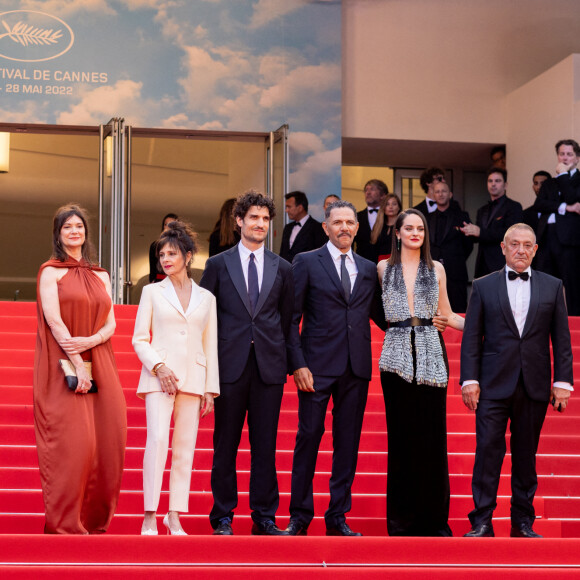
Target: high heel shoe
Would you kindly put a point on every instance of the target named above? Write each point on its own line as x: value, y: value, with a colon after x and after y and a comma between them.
x: 149, y: 532
x: 169, y: 530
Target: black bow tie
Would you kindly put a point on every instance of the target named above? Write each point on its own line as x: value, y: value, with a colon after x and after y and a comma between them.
x: 297, y: 224
x: 513, y: 275
x: 431, y: 202
x: 375, y: 210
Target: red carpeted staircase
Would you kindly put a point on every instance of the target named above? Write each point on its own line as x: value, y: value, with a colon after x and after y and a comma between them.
x: 24, y: 550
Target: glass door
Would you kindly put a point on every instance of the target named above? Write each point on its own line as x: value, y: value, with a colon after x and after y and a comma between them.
x: 114, y: 205
x: 277, y: 183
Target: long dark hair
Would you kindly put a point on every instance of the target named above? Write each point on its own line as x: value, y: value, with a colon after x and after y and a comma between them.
x: 226, y: 225
x: 60, y: 217
x: 425, y: 248
x: 378, y: 227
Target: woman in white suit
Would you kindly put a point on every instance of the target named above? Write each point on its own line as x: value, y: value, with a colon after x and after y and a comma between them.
x: 176, y: 340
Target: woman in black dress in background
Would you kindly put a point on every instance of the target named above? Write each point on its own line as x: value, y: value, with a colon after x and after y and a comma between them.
x: 224, y: 235
x: 382, y: 232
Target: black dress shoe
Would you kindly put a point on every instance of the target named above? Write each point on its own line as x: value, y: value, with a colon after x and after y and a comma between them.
x: 480, y: 531
x: 224, y: 528
x: 341, y: 529
x: 296, y: 528
x: 267, y: 528
x: 523, y: 531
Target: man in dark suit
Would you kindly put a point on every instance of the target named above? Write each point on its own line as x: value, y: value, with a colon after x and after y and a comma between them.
x: 255, y: 292
x: 559, y: 225
x: 303, y: 233
x: 375, y: 190
x: 335, y: 291
x: 505, y: 375
x: 449, y: 246
x: 428, y: 179
x: 492, y: 221
x: 531, y: 214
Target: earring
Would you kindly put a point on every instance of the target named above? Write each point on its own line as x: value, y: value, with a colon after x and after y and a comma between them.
x: 399, y: 244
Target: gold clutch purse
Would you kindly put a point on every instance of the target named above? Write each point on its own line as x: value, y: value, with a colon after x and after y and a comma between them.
x: 70, y: 375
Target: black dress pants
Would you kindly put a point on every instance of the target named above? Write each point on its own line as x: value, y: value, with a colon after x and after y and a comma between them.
x: 349, y: 396
x: 262, y: 403
x: 526, y: 418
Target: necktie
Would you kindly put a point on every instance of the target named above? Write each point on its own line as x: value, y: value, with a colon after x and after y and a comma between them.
x: 253, y: 287
x: 514, y: 275
x: 344, y: 277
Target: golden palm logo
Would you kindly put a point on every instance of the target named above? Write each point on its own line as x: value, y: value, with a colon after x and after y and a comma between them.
x: 31, y: 36
x: 26, y: 35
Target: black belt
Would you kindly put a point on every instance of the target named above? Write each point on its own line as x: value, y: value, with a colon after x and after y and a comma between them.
x: 413, y: 321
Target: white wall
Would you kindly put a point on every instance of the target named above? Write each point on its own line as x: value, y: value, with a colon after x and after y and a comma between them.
x: 540, y: 113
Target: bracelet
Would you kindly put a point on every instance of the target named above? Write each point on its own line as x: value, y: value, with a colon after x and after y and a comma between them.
x: 156, y: 368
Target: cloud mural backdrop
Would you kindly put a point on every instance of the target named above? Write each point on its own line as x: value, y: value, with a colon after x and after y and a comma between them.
x: 239, y: 65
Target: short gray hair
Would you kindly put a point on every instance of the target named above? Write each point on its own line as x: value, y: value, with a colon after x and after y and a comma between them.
x: 520, y: 226
x: 338, y: 205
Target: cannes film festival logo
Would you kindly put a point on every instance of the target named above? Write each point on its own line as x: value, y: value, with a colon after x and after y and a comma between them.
x: 30, y: 36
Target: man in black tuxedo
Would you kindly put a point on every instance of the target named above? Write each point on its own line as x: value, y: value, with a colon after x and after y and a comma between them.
x: 492, y: 221
x: 531, y: 214
x: 375, y: 190
x: 559, y: 225
x: 428, y: 179
x: 255, y: 293
x: 303, y: 233
x: 505, y: 375
x: 335, y: 292
x: 449, y: 246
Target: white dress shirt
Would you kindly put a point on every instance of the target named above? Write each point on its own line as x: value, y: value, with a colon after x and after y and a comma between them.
x: 372, y: 215
x: 296, y: 229
x: 431, y: 207
x: 336, y: 254
x: 258, y: 259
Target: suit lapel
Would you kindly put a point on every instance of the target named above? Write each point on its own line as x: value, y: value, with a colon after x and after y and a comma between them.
x: 270, y: 270
x: 233, y: 264
x: 169, y: 294
x: 328, y: 265
x: 504, y: 302
x: 534, y: 302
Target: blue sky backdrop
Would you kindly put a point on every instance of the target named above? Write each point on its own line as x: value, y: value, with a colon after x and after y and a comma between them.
x: 240, y: 65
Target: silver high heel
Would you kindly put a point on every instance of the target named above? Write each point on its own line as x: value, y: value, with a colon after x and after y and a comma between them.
x: 149, y: 532
x: 169, y: 530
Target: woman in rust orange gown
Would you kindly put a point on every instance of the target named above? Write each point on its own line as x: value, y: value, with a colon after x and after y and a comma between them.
x: 80, y: 435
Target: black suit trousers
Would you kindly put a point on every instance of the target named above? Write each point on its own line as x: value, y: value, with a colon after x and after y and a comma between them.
x: 526, y: 418
x: 262, y: 403
x: 349, y: 396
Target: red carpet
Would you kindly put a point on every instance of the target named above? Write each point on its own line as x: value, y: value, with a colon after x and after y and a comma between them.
x: 121, y: 552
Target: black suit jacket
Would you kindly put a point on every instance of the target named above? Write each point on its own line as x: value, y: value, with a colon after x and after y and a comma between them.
x: 453, y: 247
x: 422, y: 207
x: 310, y: 237
x: 362, y: 240
x: 494, y: 220
x: 492, y: 351
x: 270, y: 324
x: 561, y: 189
x: 334, y: 331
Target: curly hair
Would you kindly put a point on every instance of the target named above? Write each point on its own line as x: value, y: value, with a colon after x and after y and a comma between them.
x: 250, y: 198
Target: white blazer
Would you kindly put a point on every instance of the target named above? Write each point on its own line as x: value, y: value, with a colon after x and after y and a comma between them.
x: 185, y: 341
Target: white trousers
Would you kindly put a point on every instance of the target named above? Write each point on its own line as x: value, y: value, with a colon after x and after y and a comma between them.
x: 159, y: 408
